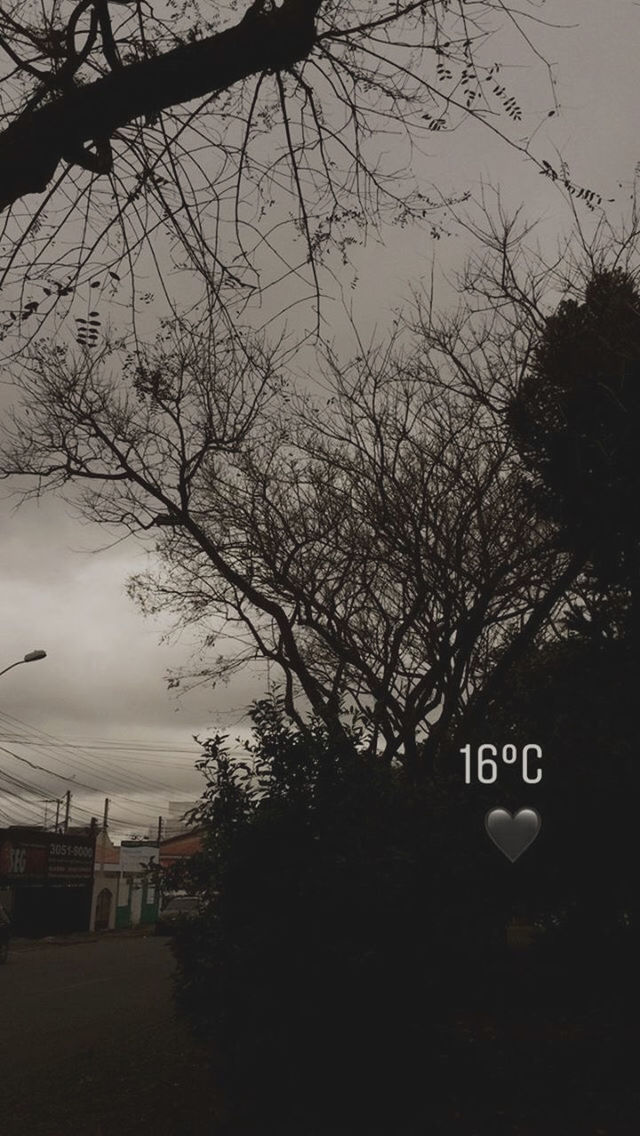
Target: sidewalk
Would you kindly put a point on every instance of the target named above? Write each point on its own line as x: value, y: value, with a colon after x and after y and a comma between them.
x: 80, y: 937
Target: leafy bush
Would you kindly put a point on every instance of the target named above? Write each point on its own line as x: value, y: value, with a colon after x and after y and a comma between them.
x: 344, y: 905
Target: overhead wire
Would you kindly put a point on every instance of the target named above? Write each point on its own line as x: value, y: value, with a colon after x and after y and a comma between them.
x: 44, y: 769
x: 128, y: 779
x: 140, y: 812
x: 131, y: 780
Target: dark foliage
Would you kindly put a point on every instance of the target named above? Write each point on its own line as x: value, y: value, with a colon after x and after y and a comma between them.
x: 577, y: 699
x: 576, y: 421
x: 355, y: 918
x: 346, y: 908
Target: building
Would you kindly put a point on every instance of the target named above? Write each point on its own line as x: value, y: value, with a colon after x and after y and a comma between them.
x: 55, y: 883
x: 124, y: 893
x: 107, y: 884
x: 174, y: 822
x: 173, y: 850
x: 179, y: 847
x: 138, y: 899
x: 46, y: 879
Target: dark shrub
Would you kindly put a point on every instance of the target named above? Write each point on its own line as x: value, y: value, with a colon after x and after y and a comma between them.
x: 342, y: 915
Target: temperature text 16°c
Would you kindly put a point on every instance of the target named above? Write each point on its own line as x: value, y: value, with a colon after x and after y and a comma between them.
x: 486, y: 765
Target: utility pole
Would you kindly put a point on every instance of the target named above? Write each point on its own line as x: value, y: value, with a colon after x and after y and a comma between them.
x: 158, y: 879
x: 57, y: 814
x: 105, y: 822
x: 67, y: 810
x: 48, y: 801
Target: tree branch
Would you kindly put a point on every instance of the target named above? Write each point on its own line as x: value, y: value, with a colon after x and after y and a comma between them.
x: 32, y: 147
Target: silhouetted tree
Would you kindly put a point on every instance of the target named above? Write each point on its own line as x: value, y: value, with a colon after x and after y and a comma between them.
x: 576, y: 698
x: 343, y: 906
x: 576, y: 421
x: 375, y: 545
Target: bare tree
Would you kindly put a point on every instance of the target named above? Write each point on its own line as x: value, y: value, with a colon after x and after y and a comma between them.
x: 204, y: 142
x: 374, y: 543
x: 375, y: 539
x: 485, y: 352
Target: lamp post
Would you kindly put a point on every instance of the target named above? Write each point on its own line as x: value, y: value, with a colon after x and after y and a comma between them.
x: 30, y: 657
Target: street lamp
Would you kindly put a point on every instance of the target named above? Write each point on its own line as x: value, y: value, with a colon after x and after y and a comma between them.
x: 30, y: 657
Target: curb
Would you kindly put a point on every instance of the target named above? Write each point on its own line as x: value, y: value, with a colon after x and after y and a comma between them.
x: 78, y: 939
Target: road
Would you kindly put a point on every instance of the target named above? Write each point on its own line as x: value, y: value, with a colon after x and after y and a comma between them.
x: 90, y: 1044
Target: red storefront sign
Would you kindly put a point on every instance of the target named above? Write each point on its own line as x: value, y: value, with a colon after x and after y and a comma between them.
x: 31, y: 857
x: 23, y: 858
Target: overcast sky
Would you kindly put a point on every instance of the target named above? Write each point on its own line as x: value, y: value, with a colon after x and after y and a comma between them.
x: 101, y: 689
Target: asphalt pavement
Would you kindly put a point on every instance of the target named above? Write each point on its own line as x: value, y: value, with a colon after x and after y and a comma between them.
x: 90, y: 1043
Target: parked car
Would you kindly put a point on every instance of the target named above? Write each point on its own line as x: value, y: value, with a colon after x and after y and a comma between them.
x: 179, y: 910
x: 5, y: 934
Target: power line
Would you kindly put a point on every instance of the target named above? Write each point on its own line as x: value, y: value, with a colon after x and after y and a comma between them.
x: 52, y: 772
x: 117, y: 745
x: 132, y: 780
x: 143, y: 813
x: 94, y: 742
